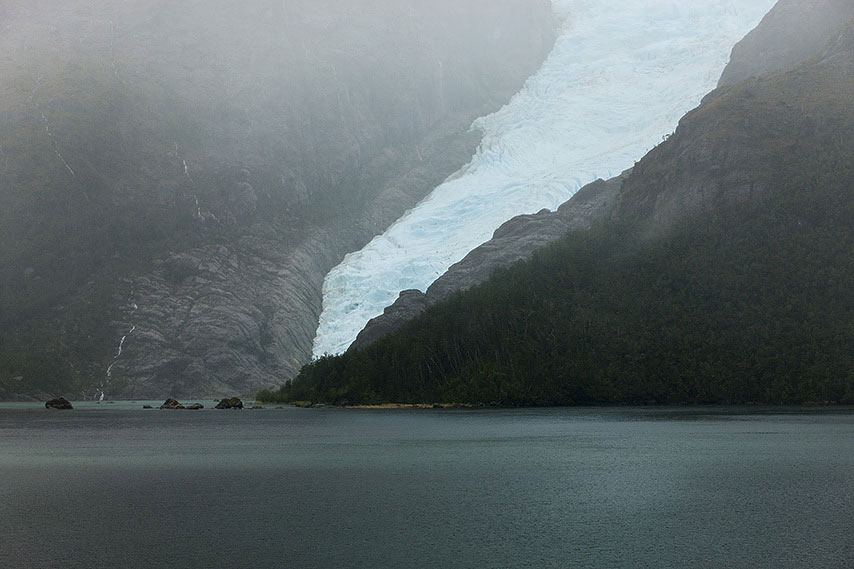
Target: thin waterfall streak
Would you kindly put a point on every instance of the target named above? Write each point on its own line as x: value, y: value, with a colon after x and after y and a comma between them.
x: 119, y: 352
x: 109, y: 373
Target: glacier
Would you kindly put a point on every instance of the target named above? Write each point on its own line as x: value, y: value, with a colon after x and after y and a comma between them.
x: 620, y: 76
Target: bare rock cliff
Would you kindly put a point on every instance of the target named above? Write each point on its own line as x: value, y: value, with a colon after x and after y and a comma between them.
x: 178, y: 177
x: 792, y: 31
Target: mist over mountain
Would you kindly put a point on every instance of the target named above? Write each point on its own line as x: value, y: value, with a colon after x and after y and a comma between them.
x: 619, y: 78
x: 716, y: 274
x: 177, y: 178
x: 790, y: 33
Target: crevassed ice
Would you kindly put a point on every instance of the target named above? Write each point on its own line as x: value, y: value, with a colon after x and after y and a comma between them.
x: 620, y: 76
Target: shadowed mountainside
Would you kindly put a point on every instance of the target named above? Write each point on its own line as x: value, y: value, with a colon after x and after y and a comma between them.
x: 176, y: 178
x: 790, y: 33
x: 719, y: 276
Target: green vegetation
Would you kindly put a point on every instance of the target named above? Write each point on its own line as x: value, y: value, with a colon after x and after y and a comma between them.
x: 756, y: 307
x: 750, y: 301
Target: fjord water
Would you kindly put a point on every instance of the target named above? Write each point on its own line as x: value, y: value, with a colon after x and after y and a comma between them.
x: 118, y: 486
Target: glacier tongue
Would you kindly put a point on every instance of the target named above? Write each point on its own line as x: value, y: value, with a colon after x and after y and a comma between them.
x: 620, y: 76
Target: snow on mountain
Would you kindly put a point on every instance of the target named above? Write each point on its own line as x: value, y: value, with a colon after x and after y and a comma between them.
x: 621, y: 75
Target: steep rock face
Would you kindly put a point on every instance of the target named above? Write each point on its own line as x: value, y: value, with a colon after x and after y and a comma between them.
x: 718, y: 157
x: 791, y: 32
x: 177, y: 178
x: 229, y: 317
x: 777, y: 90
x: 840, y: 51
x: 740, y: 139
x: 515, y: 240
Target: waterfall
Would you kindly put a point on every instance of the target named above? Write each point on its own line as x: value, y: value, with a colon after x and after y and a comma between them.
x: 109, y: 372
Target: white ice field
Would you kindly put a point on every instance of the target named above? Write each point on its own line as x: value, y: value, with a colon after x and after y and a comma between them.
x: 621, y: 75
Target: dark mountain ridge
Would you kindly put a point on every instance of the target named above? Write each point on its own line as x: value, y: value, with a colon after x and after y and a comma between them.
x: 717, y: 277
x: 790, y: 33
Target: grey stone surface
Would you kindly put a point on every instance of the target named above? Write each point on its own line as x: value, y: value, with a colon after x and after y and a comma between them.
x: 714, y: 159
x: 202, y: 167
x: 791, y: 32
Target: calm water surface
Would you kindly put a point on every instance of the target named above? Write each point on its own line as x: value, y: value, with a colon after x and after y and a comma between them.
x: 112, y: 486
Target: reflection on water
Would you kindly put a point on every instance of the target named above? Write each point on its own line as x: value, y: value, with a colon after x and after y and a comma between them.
x: 117, y: 486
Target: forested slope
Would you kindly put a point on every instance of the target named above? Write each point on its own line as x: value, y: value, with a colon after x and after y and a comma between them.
x: 723, y: 276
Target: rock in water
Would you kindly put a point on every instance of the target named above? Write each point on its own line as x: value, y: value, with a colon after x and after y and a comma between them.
x: 229, y: 403
x: 196, y: 406
x: 172, y: 404
x: 58, y: 403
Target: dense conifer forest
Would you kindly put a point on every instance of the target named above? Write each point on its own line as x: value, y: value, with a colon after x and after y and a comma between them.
x: 747, y: 302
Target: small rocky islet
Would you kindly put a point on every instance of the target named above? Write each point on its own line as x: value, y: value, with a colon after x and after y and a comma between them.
x: 170, y: 403
x: 58, y: 403
x: 227, y: 403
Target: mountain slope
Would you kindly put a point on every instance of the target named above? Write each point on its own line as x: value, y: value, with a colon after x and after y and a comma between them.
x: 620, y: 77
x: 790, y: 33
x: 721, y: 276
x: 146, y: 147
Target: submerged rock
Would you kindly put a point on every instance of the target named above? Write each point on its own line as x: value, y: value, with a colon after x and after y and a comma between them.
x: 147, y: 407
x: 172, y: 404
x: 58, y: 403
x: 229, y: 403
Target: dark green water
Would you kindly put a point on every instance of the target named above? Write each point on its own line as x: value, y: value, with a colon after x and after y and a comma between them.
x: 115, y: 486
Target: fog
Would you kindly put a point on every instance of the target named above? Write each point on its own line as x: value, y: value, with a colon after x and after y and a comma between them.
x: 135, y: 130
x: 319, y: 64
